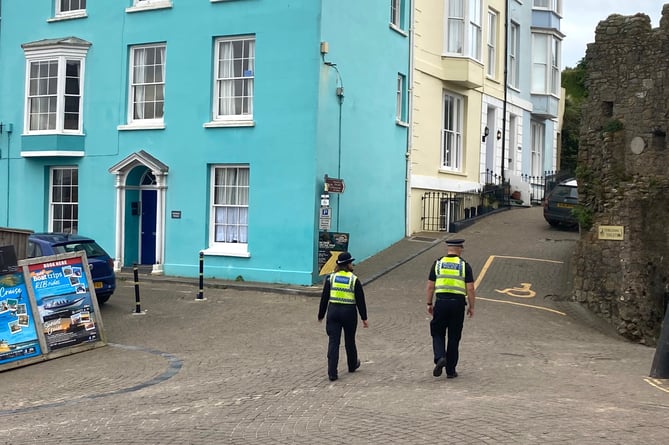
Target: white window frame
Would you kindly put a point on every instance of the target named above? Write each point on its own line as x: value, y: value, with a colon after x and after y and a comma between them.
x: 549, y: 5
x: 455, y: 27
x: 401, y: 97
x: 237, y: 244
x: 475, y: 29
x: 71, y: 204
x: 513, y: 142
x: 396, y: 13
x: 514, y: 55
x: 452, y: 132
x: 61, y: 55
x: 60, y: 12
x: 136, y: 86
x: 463, y: 34
x: 545, y: 64
x: 538, y: 138
x: 555, y: 67
x: 492, y: 43
x: 246, y: 76
x: 143, y: 5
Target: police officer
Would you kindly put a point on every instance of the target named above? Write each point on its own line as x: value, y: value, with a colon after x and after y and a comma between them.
x: 451, y: 286
x: 342, y: 294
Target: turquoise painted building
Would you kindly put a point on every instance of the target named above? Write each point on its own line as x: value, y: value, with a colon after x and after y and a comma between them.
x: 166, y: 128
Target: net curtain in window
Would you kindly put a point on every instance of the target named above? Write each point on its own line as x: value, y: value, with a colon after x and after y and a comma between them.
x: 231, y: 205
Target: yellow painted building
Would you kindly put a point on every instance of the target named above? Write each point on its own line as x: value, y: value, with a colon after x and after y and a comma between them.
x: 458, y: 58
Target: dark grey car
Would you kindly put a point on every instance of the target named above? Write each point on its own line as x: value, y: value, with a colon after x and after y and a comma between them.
x: 100, y: 263
x: 560, y: 203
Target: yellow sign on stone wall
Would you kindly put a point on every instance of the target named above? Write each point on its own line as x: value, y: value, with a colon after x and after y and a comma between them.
x: 611, y: 232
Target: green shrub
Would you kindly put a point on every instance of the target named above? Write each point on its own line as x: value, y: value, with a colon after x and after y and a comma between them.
x: 584, y: 216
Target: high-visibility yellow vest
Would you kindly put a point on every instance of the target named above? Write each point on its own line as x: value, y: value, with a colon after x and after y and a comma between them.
x: 450, y: 273
x: 342, y: 287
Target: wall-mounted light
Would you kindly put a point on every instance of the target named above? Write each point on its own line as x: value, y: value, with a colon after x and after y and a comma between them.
x: 499, y: 135
x: 486, y: 132
x: 325, y: 48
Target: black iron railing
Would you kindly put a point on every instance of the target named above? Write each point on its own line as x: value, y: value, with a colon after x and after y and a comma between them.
x: 442, y: 209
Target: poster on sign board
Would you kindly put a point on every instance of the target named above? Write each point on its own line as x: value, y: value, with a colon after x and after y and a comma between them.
x: 330, y: 245
x: 18, y: 330
x: 51, y: 310
x: 65, y: 300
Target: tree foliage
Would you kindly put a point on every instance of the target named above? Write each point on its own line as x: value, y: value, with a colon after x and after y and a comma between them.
x: 573, y: 81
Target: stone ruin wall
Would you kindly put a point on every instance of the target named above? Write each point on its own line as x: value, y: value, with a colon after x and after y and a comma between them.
x: 623, y: 176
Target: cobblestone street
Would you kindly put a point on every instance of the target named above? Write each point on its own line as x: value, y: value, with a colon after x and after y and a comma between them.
x: 248, y: 365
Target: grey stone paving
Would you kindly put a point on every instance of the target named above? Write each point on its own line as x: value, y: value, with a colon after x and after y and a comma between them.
x: 247, y: 365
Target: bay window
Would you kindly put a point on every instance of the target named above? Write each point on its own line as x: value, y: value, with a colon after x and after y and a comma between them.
x: 463, y: 28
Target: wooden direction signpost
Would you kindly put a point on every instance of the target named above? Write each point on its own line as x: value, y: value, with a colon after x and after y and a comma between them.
x: 334, y: 185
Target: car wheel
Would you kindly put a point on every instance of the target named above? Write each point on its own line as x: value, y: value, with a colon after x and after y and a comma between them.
x: 554, y: 223
x: 102, y: 299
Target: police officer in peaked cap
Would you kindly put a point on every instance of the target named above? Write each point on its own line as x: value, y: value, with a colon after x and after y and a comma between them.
x: 450, y: 291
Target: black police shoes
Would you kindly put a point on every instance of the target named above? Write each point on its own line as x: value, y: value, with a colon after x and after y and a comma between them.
x: 439, y: 367
x: 357, y: 365
x: 452, y: 376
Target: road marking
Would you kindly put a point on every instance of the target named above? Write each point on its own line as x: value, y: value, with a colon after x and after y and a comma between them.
x: 524, y: 288
x: 657, y: 383
x: 547, y: 309
x: 491, y: 258
x: 487, y: 265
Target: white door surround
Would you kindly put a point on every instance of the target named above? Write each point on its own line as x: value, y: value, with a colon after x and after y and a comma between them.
x: 159, y: 171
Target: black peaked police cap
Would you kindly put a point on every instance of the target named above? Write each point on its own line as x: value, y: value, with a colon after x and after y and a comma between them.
x: 345, y: 258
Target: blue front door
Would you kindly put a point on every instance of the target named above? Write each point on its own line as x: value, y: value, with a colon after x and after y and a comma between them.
x: 147, y: 234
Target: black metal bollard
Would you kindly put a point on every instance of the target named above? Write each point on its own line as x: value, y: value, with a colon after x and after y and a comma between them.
x: 136, y: 276
x: 660, y: 367
x: 200, y: 294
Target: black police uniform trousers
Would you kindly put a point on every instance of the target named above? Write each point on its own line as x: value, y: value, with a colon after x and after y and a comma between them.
x: 341, y: 316
x: 448, y: 317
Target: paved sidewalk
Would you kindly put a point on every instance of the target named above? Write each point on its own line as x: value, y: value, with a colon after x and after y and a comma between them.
x: 368, y: 270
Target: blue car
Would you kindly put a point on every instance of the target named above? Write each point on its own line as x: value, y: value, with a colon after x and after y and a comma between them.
x: 99, y: 262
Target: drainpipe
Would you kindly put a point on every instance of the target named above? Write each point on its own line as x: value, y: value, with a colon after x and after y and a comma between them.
x: 506, y: 86
x: 407, y: 180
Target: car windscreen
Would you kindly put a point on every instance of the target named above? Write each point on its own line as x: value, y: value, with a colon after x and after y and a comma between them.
x: 91, y: 248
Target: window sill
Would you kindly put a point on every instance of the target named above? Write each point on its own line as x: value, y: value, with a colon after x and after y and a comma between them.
x: 220, y: 251
x: 131, y: 127
x: 148, y: 7
x: 451, y: 172
x: 401, y: 123
x: 68, y: 16
x: 53, y: 154
x: 398, y: 30
x: 222, y: 124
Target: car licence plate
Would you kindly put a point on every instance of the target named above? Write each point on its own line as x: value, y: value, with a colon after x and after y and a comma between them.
x: 566, y: 205
x: 98, y: 284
